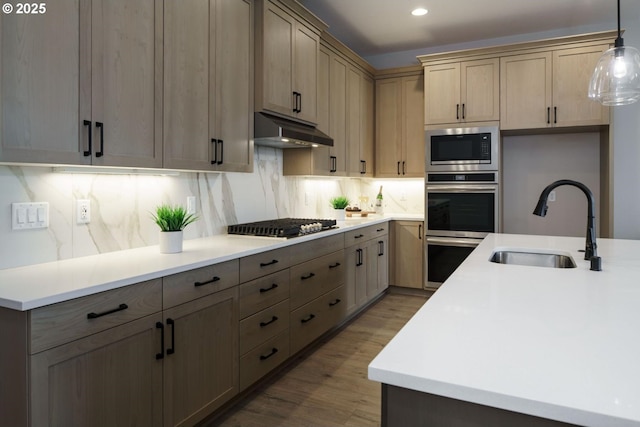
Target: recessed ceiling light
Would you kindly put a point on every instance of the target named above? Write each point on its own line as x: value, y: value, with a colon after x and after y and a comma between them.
x: 419, y: 11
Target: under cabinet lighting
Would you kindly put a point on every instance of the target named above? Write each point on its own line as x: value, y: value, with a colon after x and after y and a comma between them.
x: 420, y: 11
x: 114, y: 171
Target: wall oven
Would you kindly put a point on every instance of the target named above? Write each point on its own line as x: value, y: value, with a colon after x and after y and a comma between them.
x: 463, y: 149
x: 461, y: 209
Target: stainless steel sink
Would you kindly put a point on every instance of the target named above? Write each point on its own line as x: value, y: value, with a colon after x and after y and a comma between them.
x: 534, y: 259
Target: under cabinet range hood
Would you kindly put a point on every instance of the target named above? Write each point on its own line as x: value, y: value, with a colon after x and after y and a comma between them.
x: 278, y: 132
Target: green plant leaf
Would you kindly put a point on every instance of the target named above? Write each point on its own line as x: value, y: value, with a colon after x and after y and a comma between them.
x: 339, y: 202
x: 172, y: 218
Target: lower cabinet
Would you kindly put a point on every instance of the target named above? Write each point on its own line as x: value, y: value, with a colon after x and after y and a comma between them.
x: 407, y: 248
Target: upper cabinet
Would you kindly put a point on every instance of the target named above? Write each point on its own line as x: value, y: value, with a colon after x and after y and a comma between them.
x: 287, y: 43
x: 208, y: 85
x: 462, y: 92
x: 345, y: 112
x: 399, y: 126
x: 549, y: 89
x: 94, y: 99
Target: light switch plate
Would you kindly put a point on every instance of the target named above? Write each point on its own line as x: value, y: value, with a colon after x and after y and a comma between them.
x: 29, y: 216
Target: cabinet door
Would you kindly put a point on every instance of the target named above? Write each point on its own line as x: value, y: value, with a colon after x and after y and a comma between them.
x: 442, y: 94
x: 111, y: 378
x: 572, y: 69
x: 413, y: 165
x: 367, y: 123
x: 126, y: 77
x: 45, y: 93
x: 233, y: 98
x: 338, y: 114
x: 201, y: 360
x: 388, y: 127
x: 356, y: 278
x: 187, y: 77
x: 408, y: 254
x: 354, y: 111
x: 382, y: 254
x: 525, y: 91
x: 480, y: 88
x: 305, y: 72
x: 277, y: 60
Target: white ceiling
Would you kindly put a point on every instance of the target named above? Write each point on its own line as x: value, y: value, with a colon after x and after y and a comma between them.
x: 378, y: 27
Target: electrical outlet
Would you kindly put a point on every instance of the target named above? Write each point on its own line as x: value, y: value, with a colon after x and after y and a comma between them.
x: 83, y: 211
x: 552, y: 196
x: 191, y: 205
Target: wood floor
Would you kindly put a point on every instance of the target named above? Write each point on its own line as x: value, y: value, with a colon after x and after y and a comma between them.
x: 329, y: 386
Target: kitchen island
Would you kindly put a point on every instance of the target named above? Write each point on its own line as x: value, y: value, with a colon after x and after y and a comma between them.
x: 520, y: 345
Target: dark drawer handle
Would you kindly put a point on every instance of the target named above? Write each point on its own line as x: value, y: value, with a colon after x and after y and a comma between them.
x: 266, y: 356
x: 335, y: 302
x: 160, y: 325
x: 173, y: 336
x: 104, y: 313
x: 272, y: 287
x: 264, y: 264
x: 308, y: 319
x: 379, y: 230
x: 358, y: 236
x: 273, y: 319
x: 336, y: 265
x: 214, y: 279
x: 309, y: 276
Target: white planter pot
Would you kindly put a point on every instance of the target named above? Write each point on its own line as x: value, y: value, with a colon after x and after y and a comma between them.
x: 340, y: 214
x: 170, y: 242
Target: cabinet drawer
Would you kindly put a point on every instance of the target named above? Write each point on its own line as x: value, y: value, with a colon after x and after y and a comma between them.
x: 354, y: 237
x: 263, y: 292
x: 317, y: 317
x: 64, y: 322
x: 379, y: 230
x: 309, y: 250
x: 263, y: 359
x: 313, y: 278
x: 254, y: 266
x: 183, y: 287
x: 261, y: 326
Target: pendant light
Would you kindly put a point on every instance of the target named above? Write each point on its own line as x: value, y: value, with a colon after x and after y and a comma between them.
x: 616, y: 79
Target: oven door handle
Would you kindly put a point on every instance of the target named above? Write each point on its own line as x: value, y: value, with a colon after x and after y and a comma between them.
x: 453, y: 241
x: 471, y: 188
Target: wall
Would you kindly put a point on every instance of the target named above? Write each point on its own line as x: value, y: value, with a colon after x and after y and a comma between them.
x: 121, y: 205
x: 532, y: 162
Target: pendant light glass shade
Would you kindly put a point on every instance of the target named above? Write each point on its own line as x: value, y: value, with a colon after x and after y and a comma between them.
x: 616, y: 79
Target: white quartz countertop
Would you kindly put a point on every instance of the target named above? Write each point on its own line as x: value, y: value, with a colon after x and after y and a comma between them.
x: 562, y: 344
x: 34, y: 286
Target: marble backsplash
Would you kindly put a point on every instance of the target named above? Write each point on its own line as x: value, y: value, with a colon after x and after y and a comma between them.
x: 121, y: 205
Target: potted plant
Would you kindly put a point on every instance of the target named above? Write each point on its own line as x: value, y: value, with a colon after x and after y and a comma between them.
x: 339, y: 204
x: 172, y: 220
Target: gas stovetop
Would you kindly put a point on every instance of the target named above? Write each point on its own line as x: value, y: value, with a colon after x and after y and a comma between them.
x: 284, y: 227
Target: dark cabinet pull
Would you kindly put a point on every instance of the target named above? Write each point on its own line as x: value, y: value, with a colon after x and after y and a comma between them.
x: 333, y: 164
x: 297, y: 99
x: 221, y: 144
x: 404, y: 168
x: 309, y: 276
x: 93, y: 315
x: 171, y: 323
x: 379, y: 230
x: 88, y: 124
x: 265, y: 264
x: 336, y: 265
x: 299, y: 102
x: 160, y: 325
x: 273, y: 286
x: 358, y: 236
x: 420, y: 231
x: 335, y: 302
x: 308, y: 319
x: 463, y: 115
x: 100, y: 126
x: 380, y: 247
x: 398, y: 167
x: 548, y: 115
x: 363, y: 167
x: 555, y: 115
x: 213, y: 279
x: 359, y: 257
x: 457, y: 111
x: 214, y: 143
x: 266, y: 356
x: 273, y: 319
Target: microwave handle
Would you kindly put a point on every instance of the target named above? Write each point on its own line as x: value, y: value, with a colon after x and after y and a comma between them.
x: 469, y: 188
x: 453, y: 241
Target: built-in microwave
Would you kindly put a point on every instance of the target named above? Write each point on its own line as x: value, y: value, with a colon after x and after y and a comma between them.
x: 462, y: 149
